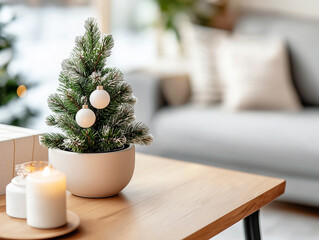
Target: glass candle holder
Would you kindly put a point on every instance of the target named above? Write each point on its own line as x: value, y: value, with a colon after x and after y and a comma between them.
x: 16, y: 190
x: 26, y: 168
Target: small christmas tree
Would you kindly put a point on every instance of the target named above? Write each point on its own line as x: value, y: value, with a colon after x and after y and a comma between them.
x: 94, y: 107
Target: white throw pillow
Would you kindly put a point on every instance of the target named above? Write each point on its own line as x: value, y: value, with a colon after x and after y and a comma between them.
x: 255, y: 74
x: 200, y: 44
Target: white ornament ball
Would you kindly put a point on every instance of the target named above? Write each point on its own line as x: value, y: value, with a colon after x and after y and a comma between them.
x: 99, y: 98
x: 85, y: 117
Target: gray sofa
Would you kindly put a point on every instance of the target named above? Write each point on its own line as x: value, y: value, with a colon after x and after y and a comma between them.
x: 279, y: 144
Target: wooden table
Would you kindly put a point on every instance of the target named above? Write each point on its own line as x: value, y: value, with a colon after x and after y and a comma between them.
x: 169, y: 199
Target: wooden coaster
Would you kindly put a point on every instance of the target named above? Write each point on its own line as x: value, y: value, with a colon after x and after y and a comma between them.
x: 14, y: 228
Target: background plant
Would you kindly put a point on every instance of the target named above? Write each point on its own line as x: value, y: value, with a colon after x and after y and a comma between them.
x: 202, y: 12
x: 9, y: 82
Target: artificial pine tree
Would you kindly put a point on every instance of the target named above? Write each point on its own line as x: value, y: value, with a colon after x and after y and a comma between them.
x: 84, y: 82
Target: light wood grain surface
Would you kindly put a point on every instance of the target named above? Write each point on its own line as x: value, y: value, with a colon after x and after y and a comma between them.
x: 169, y: 199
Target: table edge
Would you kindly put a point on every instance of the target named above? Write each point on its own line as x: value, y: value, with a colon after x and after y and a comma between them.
x: 239, y: 213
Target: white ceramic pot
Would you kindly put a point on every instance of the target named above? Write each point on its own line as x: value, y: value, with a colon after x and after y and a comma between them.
x: 95, y: 175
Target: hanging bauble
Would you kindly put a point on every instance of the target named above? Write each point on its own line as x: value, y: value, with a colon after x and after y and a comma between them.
x: 99, y: 98
x: 85, y: 117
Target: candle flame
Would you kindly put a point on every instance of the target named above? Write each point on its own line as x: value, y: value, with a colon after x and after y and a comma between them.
x: 46, y: 171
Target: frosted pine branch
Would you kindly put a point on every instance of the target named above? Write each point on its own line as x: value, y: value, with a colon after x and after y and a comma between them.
x: 81, y: 73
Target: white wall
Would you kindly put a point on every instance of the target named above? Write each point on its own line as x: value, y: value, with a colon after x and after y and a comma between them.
x: 304, y: 8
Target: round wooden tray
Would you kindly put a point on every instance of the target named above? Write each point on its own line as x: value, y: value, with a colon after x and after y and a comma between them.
x: 14, y: 228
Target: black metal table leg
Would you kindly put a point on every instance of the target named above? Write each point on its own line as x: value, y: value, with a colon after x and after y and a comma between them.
x: 251, y: 226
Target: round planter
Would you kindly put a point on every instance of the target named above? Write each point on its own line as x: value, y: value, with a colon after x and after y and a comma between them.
x: 95, y: 175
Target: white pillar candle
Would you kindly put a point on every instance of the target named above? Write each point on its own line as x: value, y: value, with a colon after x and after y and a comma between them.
x: 46, y: 199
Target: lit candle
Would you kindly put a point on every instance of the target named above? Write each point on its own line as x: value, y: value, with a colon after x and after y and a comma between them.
x: 46, y: 199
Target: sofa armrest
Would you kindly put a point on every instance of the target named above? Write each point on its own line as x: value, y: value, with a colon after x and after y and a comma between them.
x: 147, y: 90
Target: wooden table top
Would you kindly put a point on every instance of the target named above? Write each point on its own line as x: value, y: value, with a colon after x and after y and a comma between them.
x: 170, y: 199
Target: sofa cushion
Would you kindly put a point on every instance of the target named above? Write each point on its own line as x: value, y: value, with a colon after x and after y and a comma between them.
x: 302, y: 36
x: 200, y: 44
x: 255, y: 73
x: 276, y: 141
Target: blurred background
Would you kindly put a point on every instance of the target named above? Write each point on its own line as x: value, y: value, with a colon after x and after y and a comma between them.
x: 230, y: 83
x: 36, y: 35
